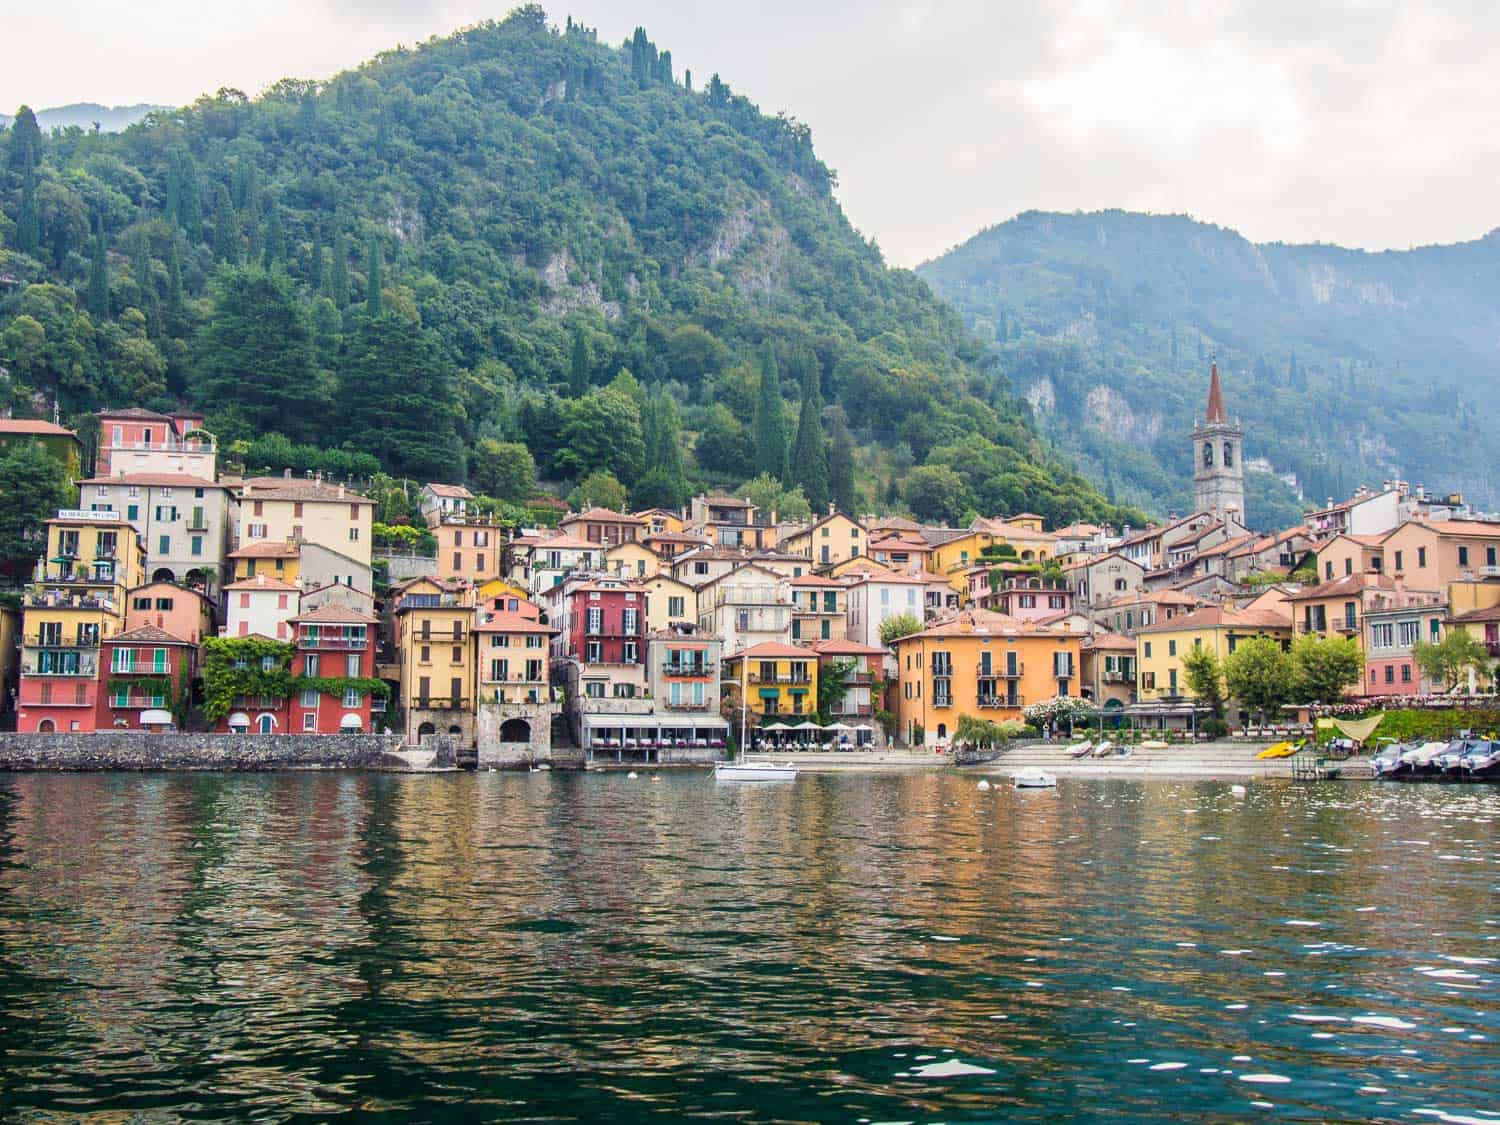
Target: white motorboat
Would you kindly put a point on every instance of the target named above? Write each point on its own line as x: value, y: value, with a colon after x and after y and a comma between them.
x: 1081, y: 750
x: 1033, y: 778
x: 1104, y: 749
x: 754, y: 771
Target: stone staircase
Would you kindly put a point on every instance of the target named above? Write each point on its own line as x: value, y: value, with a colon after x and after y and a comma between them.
x: 1204, y: 759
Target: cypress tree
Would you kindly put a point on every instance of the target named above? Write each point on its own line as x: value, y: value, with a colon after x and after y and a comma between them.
x: 189, y: 208
x: 315, y: 261
x: 275, y: 238
x: 338, y: 276
x: 226, y: 244
x: 140, y: 273
x: 24, y: 153
x: 174, y: 278
x: 98, y: 299
x: 28, y: 224
x: 373, y: 301
x: 578, y: 368
x: 841, y: 465
x: 770, y: 421
x: 810, y: 454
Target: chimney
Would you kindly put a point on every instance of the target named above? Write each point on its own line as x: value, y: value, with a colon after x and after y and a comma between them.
x: 341, y: 491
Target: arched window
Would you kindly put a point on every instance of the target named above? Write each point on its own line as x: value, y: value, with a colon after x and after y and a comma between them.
x: 266, y: 724
x: 1228, y: 455
x: 1208, y: 455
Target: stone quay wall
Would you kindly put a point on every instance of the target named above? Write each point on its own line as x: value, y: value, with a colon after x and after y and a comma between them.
x: 138, y: 750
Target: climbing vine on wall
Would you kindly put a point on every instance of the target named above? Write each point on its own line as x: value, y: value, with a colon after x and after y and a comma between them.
x: 241, y: 666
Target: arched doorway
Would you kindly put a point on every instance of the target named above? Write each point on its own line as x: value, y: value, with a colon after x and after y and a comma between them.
x: 163, y: 574
x: 425, y: 729
x: 266, y: 724
x: 942, y: 731
x: 46, y: 726
x: 515, y: 730
x: 455, y: 729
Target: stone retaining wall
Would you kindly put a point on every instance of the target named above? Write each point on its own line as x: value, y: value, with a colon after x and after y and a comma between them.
x: 136, y: 750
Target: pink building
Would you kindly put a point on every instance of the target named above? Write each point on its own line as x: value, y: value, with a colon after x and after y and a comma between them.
x: 1028, y: 598
x: 144, y: 671
x: 142, y: 441
x: 183, y: 613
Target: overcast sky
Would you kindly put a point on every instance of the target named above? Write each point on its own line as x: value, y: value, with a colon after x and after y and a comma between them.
x: 1362, y: 122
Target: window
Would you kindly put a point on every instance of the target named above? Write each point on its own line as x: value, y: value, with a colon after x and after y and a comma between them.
x: 353, y: 513
x: 297, y: 509
x: 674, y: 607
x: 354, y: 535
x: 1409, y: 632
x: 1463, y: 556
x: 1172, y: 680
x: 197, y: 545
x: 1398, y: 560
x: 1208, y: 455
x: 426, y: 655
x: 632, y: 621
x: 594, y: 652
x: 458, y: 655
x: 1390, y: 673
x: 1171, y: 648
x: 309, y: 699
x: 268, y: 664
x: 1348, y: 566
x: 351, y: 665
x: 1421, y: 556
x: 595, y: 620
x: 1148, y: 650
x: 500, y: 669
x: 1062, y: 665
x: 1381, y: 636
x: 1328, y: 569
x: 255, y: 531
x: 132, y: 512
x: 1228, y: 455
x: 1351, y: 610
x: 700, y: 568
x: 628, y: 652
x: 351, y: 697
x: 594, y: 690
x: 164, y: 545
x: 310, y: 664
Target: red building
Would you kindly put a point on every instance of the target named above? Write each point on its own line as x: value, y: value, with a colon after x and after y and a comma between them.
x: 143, y: 673
x: 333, y: 641
x: 605, y: 623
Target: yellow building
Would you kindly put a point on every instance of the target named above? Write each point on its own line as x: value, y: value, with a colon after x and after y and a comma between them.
x: 632, y: 560
x: 669, y: 603
x: 832, y: 540
x: 434, y: 627
x: 77, y: 600
x: 1160, y: 648
x: 659, y: 521
x: 982, y: 664
x: 777, y: 680
x: 311, y: 511
x: 273, y: 558
x: 487, y: 592
x: 953, y: 558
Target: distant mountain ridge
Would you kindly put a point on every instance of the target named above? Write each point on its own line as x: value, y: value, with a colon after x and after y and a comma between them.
x: 110, y: 118
x: 1345, y: 365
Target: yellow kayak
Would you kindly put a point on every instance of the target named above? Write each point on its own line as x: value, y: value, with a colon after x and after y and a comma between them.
x: 1280, y: 750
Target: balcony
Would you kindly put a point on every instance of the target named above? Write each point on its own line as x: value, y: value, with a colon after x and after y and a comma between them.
x: 860, y: 679
x: 706, y: 706
x: 440, y: 638
x: 443, y: 704
x: 197, y: 523
x: 194, y: 446
x: 697, y: 670
x: 612, y: 705
x: 1118, y: 677
x: 138, y: 702
x: 84, y: 669
x: 348, y: 644
x: 801, y: 681
x: 1007, y: 702
x: 35, y: 641
x: 852, y: 710
x: 1005, y: 673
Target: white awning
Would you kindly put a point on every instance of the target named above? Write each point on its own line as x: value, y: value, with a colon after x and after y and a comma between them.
x: 239, y: 719
x: 351, y: 722
x: 156, y: 718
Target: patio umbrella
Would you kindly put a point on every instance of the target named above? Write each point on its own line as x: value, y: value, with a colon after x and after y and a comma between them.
x: 775, y: 726
x: 838, y: 726
x: 807, y: 726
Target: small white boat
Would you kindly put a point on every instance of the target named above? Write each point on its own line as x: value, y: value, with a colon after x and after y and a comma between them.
x: 754, y: 771
x: 1033, y: 778
x: 1104, y: 749
x: 1081, y: 750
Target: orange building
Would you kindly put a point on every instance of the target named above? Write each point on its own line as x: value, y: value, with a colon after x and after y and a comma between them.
x: 982, y: 664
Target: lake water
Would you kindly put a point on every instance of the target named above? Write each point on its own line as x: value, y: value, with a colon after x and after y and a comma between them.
x: 848, y: 948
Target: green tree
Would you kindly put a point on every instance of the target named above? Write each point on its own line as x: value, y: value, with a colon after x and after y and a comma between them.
x: 600, y: 489
x: 503, y: 469
x: 1325, y: 666
x: 24, y: 152
x: 935, y: 493
x: 841, y: 466
x: 1449, y: 660
x: 809, y: 465
x: 770, y: 495
x: 601, y: 430
x: 892, y: 629
x: 338, y: 274
x: 664, y: 483
x: 98, y: 302
x: 28, y: 223
x: 397, y: 400
x: 255, y: 352
x: 33, y: 486
x: 1205, y: 679
x: 1260, y: 675
x: 770, y: 419
x: 833, y: 682
x: 578, y: 366
x: 724, y: 445
x: 373, y: 295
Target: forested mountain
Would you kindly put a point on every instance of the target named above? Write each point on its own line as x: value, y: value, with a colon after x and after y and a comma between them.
x: 85, y: 115
x: 516, y: 234
x: 1346, y: 367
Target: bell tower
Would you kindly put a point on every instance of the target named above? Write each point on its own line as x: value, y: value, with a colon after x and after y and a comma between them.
x: 1218, y: 458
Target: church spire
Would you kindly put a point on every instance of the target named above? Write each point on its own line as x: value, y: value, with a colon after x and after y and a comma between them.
x: 1215, y: 397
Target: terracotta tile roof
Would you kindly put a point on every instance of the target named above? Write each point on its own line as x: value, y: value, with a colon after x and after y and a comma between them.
x: 262, y: 582
x: 1467, y: 529
x: 1156, y: 597
x: 146, y: 634
x: 299, y: 488
x: 1349, y: 584
x: 1116, y: 642
x: 846, y: 648
x: 896, y: 543
x: 1217, y: 616
x: 819, y: 581
x: 452, y: 491
x: 137, y: 412
x: 895, y: 523
x: 889, y: 577
x: 984, y: 623
x: 33, y: 426
x: 1477, y: 616
x: 334, y: 614
x: 773, y: 649
x: 726, y: 502
x: 600, y: 515
x: 267, y: 549
x: 157, y: 480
